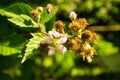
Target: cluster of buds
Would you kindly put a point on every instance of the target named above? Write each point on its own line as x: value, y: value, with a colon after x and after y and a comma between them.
x: 81, y: 38
x: 79, y: 41
x: 36, y: 13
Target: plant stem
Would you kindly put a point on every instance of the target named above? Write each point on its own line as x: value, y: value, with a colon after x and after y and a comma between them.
x: 40, y: 28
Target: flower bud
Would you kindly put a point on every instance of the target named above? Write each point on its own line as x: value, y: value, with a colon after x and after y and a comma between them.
x: 49, y: 8
x: 59, y: 26
x: 73, y: 44
x: 40, y: 9
x: 90, y: 36
x: 86, y: 35
x: 83, y: 23
x: 35, y: 13
x: 73, y: 15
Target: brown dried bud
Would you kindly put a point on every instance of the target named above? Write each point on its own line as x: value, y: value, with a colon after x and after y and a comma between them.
x: 88, y: 54
x: 83, y: 23
x: 86, y: 34
x: 78, y: 25
x: 74, y: 26
x: 73, y: 44
x: 35, y: 13
x: 89, y: 36
x: 95, y: 37
x: 59, y: 26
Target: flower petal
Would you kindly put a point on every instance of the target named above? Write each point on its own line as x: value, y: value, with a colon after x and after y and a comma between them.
x: 63, y: 40
x: 56, y: 35
x: 47, y: 40
x: 51, y: 51
x: 50, y: 34
x: 62, y: 49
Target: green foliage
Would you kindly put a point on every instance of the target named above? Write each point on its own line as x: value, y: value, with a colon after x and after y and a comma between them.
x: 10, y: 46
x: 23, y: 21
x: 50, y: 24
x: 7, y: 14
x: 16, y: 9
x: 18, y: 14
x: 6, y: 50
x: 32, y: 46
x: 45, y: 16
x: 20, y: 8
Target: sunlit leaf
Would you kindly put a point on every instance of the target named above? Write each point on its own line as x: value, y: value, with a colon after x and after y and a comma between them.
x: 6, y: 50
x: 23, y: 21
x: 11, y: 44
x: 32, y: 46
x: 7, y: 14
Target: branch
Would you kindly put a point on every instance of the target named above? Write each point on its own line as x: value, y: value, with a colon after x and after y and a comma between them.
x: 105, y: 28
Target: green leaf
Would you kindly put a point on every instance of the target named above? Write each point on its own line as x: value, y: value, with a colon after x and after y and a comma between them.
x: 32, y: 46
x: 49, y: 25
x: 11, y: 44
x: 20, y: 8
x: 45, y: 16
x: 7, y: 14
x: 23, y: 21
x: 6, y: 50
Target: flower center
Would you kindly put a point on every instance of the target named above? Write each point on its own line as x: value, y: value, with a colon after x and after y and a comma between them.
x: 56, y: 42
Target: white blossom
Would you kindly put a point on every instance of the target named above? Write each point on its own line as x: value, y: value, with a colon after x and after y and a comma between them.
x: 55, y: 41
x: 53, y: 34
x: 63, y: 40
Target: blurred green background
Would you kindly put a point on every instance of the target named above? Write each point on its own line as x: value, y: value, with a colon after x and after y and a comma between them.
x: 106, y: 65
